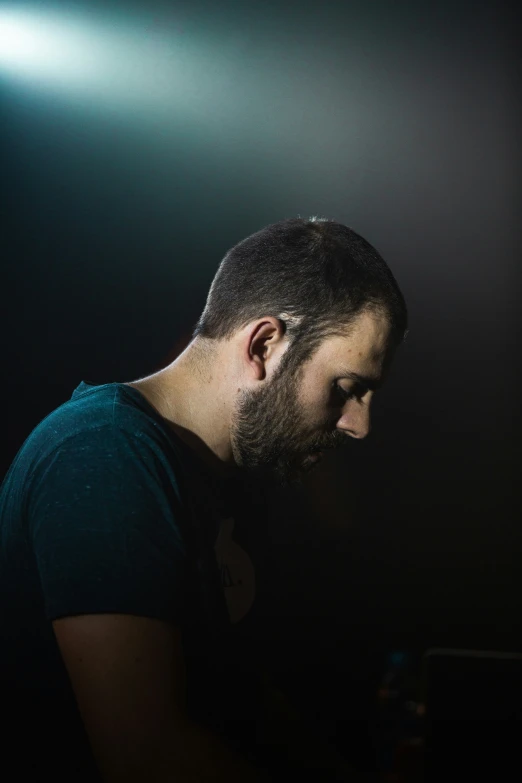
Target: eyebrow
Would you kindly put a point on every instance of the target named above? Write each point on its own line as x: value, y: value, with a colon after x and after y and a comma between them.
x: 366, y: 381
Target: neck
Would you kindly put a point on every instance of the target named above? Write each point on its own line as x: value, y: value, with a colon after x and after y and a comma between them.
x: 191, y: 398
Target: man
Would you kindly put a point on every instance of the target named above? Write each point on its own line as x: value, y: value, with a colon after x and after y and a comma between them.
x: 116, y: 657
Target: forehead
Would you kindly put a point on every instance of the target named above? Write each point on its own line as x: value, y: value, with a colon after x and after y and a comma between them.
x: 362, y: 349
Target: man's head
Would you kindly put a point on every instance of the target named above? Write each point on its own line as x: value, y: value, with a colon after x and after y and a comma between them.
x: 281, y: 417
x: 296, y: 313
x: 315, y: 274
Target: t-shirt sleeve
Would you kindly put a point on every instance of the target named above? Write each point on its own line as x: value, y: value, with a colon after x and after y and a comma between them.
x: 102, y: 522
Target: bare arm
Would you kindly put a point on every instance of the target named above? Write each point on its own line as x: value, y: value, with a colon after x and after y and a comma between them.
x: 128, y: 676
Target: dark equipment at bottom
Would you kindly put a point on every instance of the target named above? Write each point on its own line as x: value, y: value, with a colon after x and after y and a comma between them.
x: 473, y: 714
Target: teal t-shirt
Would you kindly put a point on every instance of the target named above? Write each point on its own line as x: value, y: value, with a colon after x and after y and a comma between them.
x: 105, y: 509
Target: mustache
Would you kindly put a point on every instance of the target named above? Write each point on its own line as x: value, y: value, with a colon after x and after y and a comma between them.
x: 336, y: 443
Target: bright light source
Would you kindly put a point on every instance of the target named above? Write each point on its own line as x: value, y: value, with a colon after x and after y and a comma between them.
x: 18, y: 42
x: 109, y: 61
x: 45, y: 49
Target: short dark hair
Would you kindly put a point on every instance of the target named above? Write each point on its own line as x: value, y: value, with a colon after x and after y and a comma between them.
x: 316, y: 275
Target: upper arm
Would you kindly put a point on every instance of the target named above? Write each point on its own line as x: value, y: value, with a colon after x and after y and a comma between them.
x: 128, y: 676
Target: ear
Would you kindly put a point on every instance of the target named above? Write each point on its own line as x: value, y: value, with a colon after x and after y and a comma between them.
x: 264, y: 345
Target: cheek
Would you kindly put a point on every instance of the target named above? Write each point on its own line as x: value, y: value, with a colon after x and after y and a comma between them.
x: 314, y: 398
x: 319, y: 418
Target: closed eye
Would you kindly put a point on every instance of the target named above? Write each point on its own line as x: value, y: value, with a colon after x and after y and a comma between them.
x: 358, y: 391
x: 344, y: 394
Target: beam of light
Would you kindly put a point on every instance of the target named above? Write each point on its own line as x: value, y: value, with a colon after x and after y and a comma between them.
x: 42, y: 49
x: 196, y: 74
x: 123, y: 63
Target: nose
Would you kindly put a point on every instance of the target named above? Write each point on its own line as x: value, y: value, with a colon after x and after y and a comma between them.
x: 355, y: 420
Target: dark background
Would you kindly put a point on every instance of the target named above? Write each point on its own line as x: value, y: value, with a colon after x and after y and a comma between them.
x: 136, y: 155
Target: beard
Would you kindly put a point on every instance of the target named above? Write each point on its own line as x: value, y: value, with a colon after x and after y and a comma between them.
x: 270, y: 435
